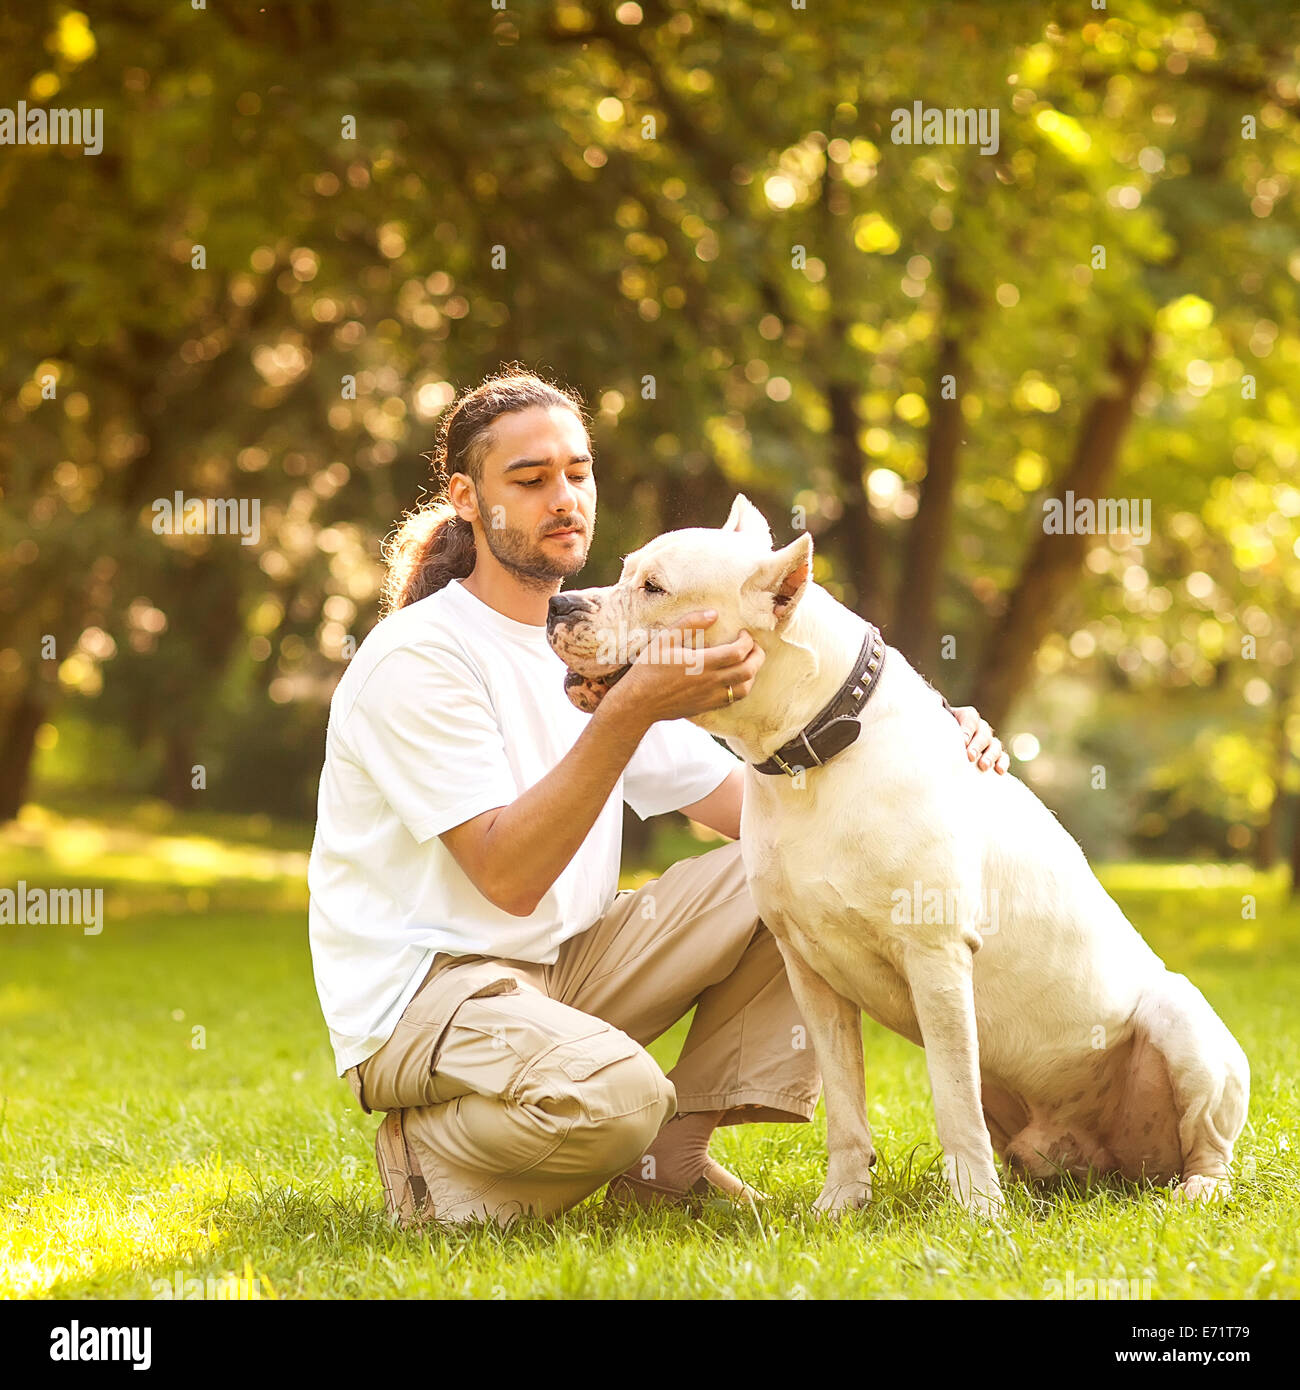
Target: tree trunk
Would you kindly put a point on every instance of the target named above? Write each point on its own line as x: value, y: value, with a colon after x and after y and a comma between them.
x: 1053, y: 564
x: 637, y: 834
x: 1268, y: 845
x: 176, y: 781
x: 30, y: 706
x: 915, y: 617
x: 17, y: 749
x: 1295, y: 853
x: 854, y: 534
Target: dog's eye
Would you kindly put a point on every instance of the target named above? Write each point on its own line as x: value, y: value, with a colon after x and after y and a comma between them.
x: 651, y: 587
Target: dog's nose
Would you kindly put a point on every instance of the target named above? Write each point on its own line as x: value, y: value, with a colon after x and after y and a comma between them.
x: 563, y: 606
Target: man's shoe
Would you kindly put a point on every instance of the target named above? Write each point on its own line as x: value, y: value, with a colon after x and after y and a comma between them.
x: 406, y: 1194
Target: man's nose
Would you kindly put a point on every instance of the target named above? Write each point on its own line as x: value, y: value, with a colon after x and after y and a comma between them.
x: 568, y: 500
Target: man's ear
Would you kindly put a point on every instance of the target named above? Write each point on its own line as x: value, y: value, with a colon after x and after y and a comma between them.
x: 782, y: 579
x: 745, y: 516
x: 463, y: 496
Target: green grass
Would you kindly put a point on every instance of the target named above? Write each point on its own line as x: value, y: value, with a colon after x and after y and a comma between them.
x: 129, y: 1156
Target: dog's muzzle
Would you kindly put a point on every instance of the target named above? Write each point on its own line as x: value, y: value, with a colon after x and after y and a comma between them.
x: 584, y: 692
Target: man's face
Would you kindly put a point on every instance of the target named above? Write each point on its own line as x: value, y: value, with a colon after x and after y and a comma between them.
x: 537, y: 497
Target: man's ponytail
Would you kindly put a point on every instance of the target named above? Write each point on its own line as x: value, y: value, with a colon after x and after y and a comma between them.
x: 429, y: 549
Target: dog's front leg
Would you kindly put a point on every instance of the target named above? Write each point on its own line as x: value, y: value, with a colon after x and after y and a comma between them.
x: 835, y: 1030
x: 939, y: 978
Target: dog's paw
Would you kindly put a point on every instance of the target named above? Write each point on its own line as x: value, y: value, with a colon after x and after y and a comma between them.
x: 978, y: 1191
x: 975, y: 1184
x: 1198, y: 1188
x: 843, y: 1197
x: 987, y: 1205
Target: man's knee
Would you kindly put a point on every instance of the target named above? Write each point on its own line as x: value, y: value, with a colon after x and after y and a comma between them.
x: 621, y: 1138
x: 608, y: 1096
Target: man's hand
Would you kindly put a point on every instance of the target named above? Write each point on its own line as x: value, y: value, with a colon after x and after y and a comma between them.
x: 672, y: 680
x: 514, y: 853
x: 981, y: 742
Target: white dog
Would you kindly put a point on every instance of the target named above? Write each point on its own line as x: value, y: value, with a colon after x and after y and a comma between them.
x: 949, y: 905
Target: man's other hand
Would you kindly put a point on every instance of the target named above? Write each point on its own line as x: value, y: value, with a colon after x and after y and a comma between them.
x: 982, y: 744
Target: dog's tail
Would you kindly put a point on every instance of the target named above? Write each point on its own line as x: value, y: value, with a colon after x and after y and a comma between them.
x: 430, y: 548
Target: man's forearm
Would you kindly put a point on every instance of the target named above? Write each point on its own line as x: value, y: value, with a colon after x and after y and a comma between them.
x: 517, y: 854
x: 530, y: 842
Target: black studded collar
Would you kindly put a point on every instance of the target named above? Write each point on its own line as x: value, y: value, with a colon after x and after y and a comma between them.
x: 836, y: 725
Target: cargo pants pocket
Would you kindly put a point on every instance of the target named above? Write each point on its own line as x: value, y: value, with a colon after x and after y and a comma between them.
x: 401, y: 1073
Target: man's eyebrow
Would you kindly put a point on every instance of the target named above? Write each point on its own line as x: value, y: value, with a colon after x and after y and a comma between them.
x: 543, y: 463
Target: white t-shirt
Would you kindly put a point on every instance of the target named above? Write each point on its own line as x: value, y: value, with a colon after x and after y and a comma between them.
x: 447, y: 710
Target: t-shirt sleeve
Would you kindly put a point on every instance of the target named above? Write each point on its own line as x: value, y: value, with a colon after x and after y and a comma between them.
x: 424, y: 731
x: 675, y: 765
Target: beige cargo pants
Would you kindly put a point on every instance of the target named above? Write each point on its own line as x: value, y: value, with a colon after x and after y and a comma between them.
x: 527, y: 1087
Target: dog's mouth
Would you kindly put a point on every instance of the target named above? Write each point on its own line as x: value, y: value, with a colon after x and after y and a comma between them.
x: 586, y: 692
x: 577, y: 678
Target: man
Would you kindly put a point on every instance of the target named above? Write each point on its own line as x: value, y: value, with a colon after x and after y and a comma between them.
x: 483, y: 980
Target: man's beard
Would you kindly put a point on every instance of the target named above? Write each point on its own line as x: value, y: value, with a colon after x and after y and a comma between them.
x: 515, y: 550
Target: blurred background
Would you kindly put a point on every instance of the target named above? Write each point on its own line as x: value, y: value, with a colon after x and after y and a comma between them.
x: 312, y: 224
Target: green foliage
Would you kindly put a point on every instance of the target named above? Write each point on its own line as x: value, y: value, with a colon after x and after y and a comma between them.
x: 809, y: 379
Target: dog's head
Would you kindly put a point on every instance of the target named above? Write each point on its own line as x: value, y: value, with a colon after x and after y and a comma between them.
x: 733, y: 571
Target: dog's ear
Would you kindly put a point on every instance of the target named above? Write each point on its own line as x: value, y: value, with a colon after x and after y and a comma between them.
x: 782, y: 579
x: 745, y: 516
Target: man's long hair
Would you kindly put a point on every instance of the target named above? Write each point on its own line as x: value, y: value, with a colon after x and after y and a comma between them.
x: 432, y: 545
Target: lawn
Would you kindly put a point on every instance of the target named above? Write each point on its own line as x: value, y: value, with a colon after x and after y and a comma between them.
x: 169, y: 1113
